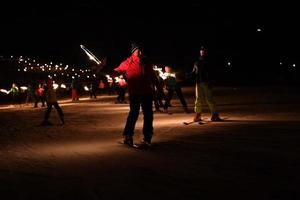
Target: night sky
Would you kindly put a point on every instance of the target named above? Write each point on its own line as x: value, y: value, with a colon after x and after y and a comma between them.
x: 170, y: 33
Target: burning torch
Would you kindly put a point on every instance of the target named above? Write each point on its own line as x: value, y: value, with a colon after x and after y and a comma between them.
x: 90, y: 55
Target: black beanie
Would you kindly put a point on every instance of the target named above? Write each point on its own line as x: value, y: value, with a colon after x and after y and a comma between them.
x: 202, y: 48
x: 134, y: 46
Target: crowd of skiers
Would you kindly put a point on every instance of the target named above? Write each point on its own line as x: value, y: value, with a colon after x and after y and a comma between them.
x: 146, y: 86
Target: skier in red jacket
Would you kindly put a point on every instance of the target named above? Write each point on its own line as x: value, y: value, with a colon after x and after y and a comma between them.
x: 141, y: 80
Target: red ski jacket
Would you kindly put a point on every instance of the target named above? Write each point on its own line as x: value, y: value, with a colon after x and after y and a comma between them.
x: 141, y: 78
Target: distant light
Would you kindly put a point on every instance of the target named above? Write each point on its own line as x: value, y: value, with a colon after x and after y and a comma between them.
x: 66, y: 67
x: 258, y: 30
x: 23, y: 87
x: 55, y: 86
x: 280, y: 63
x: 294, y: 65
x: 88, y: 76
x: 50, y: 63
x: 63, y: 86
x: 73, y: 70
x: 19, y: 70
x: 86, y: 88
x: 54, y: 74
x: 229, y: 63
x: 72, y: 77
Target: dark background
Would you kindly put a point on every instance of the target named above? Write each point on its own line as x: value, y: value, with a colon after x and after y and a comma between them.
x: 170, y: 33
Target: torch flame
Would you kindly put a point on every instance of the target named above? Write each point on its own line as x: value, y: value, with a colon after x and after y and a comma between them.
x: 90, y: 55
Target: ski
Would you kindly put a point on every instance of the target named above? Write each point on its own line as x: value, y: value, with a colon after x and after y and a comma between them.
x: 203, y: 121
x: 188, y: 123
x: 198, y: 122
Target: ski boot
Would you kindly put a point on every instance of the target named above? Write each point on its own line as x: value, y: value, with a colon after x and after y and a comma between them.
x: 216, y: 118
x: 197, y: 117
x: 128, y: 140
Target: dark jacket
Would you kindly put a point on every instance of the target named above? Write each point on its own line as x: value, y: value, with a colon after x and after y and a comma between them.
x: 202, y: 70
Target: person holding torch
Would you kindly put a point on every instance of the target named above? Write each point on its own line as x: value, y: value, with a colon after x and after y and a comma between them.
x: 52, y: 101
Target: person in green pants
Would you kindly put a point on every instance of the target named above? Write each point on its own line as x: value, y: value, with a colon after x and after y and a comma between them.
x: 202, y: 72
